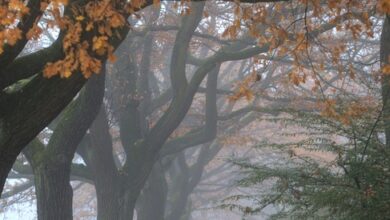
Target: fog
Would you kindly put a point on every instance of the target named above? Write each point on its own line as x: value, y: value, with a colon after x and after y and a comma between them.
x: 197, y: 119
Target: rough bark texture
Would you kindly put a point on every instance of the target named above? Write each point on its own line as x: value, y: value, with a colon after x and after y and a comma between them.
x: 52, y: 164
x: 54, y: 192
x: 24, y: 113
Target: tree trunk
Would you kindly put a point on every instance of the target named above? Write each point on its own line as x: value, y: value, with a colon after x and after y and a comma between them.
x: 114, y: 197
x: 54, y: 192
x: 114, y: 202
x: 384, y: 57
x: 52, y: 163
x: 24, y: 113
x: 151, y: 203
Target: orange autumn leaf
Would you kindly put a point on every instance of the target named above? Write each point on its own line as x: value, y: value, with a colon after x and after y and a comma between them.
x: 384, y: 6
x: 117, y: 20
x: 386, y: 69
x: 17, y: 5
x: 12, y: 36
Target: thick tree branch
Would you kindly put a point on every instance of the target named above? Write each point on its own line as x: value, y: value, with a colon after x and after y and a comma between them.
x: 26, y: 66
x: 206, y: 133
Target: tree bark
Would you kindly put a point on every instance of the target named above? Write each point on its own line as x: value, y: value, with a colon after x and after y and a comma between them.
x: 54, y: 192
x: 52, y: 163
x: 385, y: 60
x: 152, y: 201
x: 25, y: 112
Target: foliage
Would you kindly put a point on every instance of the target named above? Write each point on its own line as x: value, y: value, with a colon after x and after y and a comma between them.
x: 354, y: 184
x: 87, y: 26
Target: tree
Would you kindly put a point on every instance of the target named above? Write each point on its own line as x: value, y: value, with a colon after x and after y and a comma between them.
x: 74, y: 50
x: 152, y: 144
x: 353, y: 183
x: 129, y: 127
